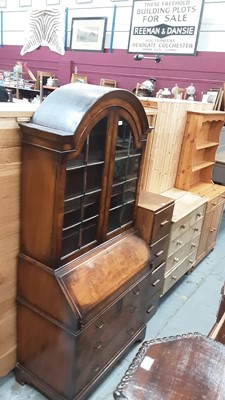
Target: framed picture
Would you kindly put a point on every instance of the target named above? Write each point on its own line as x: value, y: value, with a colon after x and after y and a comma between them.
x: 78, y: 78
x: 212, y: 96
x: 88, y: 34
x: 52, y: 2
x: 25, y: 3
x: 3, y: 3
x: 83, y: 1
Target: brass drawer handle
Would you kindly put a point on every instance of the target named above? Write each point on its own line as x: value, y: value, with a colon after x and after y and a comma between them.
x: 98, y: 345
x: 100, y: 325
x: 136, y: 292
x: 159, y: 253
x: 163, y: 223
x: 156, y: 282
x: 150, y: 309
x: 212, y: 230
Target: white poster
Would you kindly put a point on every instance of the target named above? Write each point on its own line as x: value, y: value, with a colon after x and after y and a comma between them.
x: 165, y: 26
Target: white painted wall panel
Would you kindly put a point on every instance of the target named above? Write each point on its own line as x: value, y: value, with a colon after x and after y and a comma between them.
x: 211, y: 38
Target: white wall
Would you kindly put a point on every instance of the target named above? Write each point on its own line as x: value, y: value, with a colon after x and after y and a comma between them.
x: 211, y: 38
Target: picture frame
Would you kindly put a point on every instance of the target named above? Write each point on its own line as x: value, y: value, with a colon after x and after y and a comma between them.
x: 3, y: 3
x: 212, y: 96
x: 83, y: 1
x: 78, y: 78
x: 25, y: 3
x: 88, y: 34
x: 52, y: 2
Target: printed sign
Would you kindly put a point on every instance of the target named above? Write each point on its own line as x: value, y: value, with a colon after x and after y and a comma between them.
x: 165, y: 26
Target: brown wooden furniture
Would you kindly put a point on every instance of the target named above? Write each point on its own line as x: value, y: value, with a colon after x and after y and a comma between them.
x: 154, y: 214
x: 10, y: 170
x: 86, y: 282
x: 184, y: 367
x: 200, y: 142
x: 215, y: 199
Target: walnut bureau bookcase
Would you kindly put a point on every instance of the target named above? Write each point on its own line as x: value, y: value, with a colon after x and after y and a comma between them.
x: 86, y: 280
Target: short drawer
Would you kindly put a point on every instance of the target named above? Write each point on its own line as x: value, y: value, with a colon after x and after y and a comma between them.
x: 162, y: 223
x: 176, y: 273
x: 182, y: 253
x: 197, y: 215
x: 157, y: 279
x: 159, y: 251
x: 212, y: 203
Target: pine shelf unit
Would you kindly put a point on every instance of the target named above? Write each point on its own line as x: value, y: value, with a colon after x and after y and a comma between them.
x: 200, y: 142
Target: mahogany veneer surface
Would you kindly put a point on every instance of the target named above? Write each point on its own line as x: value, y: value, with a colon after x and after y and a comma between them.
x: 183, y: 367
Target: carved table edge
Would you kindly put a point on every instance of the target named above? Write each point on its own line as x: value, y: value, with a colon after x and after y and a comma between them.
x: 119, y: 393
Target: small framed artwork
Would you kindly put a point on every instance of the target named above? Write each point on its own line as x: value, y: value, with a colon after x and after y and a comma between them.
x: 52, y: 2
x: 83, y: 1
x: 212, y: 96
x: 88, y: 34
x: 3, y: 3
x: 25, y: 3
x: 78, y: 78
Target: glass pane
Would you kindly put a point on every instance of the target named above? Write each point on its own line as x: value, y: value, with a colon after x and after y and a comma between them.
x: 130, y: 190
x: 72, y: 212
x: 91, y: 205
x: 97, y: 142
x: 94, y: 177
x: 74, y: 182
x: 89, y: 231
x: 117, y: 195
x: 125, y: 179
x: 70, y: 240
x: 125, y: 140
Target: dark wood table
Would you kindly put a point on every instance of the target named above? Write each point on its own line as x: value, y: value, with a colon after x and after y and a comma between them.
x: 187, y: 367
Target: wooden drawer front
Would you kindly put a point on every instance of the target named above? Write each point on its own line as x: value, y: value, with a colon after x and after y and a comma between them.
x: 185, y: 223
x: 129, y: 310
x: 188, y: 235
x: 162, y: 223
x: 176, y: 273
x: 182, y: 253
x: 222, y: 198
x: 197, y: 215
x: 90, y: 363
x: 212, y: 203
x: 159, y: 251
x: 157, y: 279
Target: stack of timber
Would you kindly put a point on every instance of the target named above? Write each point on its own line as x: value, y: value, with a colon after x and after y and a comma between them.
x: 10, y: 169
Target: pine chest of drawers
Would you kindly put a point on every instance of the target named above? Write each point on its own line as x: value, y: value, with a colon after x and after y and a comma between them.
x: 185, y: 233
